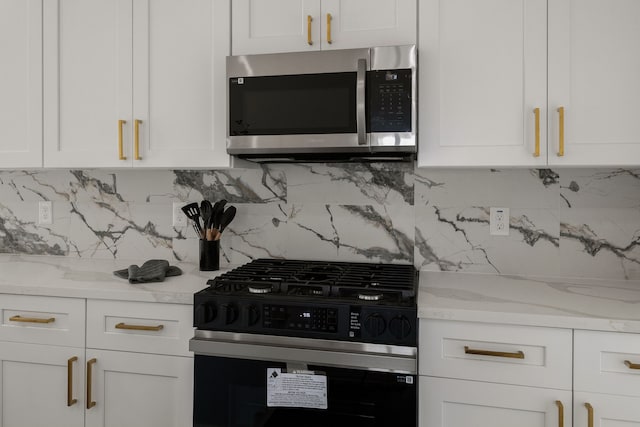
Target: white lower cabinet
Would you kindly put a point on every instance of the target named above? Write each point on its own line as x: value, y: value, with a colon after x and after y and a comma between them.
x: 455, y: 403
x: 133, y: 369
x: 481, y: 374
x: 42, y: 385
x: 142, y: 390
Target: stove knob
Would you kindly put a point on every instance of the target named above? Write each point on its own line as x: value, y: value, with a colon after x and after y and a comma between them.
x: 229, y: 313
x: 400, y: 327
x: 204, y: 313
x: 375, y: 324
x: 253, y: 315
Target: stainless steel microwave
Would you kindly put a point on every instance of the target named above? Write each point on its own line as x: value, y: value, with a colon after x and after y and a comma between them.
x: 354, y: 104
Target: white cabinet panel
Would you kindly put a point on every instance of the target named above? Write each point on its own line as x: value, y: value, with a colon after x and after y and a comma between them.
x: 141, y: 390
x: 594, y: 64
x: 35, y: 385
x: 21, y: 83
x: 293, y: 25
x: 455, y: 403
x: 483, y: 72
x: 607, y: 410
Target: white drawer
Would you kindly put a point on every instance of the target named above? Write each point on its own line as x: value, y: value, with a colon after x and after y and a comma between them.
x: 507, y: 354
x: 42, y: 320
x: 139, y: 326
x: 601, y: 362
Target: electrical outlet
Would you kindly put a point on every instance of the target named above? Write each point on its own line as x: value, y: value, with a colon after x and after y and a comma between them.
x: 179, y: 218
x: 45, y: 213
x: 499, y: 221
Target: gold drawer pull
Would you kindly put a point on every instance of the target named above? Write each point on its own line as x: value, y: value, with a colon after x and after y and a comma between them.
x: 560, y: 413
x: 90, y: 402
x: 560, y: 131
x: 589, y: 414
x: 32, y: 319
x: 70, y: 399
x: 309, y: 20
x: 516, y: 355
x: 121, y: 155
x: 139, y: 327
x: 536, y: 112
x: 631, y: 365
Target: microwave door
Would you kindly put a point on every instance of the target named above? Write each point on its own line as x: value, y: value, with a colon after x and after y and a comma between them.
x: 299, y: 113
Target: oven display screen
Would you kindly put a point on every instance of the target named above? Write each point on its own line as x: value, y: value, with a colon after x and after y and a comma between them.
x: 300, y: 318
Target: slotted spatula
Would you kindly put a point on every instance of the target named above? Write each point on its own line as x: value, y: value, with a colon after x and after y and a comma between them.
x: 192, y: 211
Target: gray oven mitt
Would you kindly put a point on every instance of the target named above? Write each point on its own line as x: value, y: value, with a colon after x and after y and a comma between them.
x: 154, y: 270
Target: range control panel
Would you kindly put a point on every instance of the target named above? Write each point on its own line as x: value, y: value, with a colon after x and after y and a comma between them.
x: 389, y: 93
x: 300, y: 318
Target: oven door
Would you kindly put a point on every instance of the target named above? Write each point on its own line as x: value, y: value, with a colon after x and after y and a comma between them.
x: 234, y: 383
x: 297, y: 103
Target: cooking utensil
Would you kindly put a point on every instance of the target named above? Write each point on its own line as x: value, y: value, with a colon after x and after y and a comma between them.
x: 206, y: 211
x: 227, y: 217
x: 192, y: 211
x: 218, y: 209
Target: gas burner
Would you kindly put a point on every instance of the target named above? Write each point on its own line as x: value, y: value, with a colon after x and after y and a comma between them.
x: 260, y: 289
x: 370, y: 296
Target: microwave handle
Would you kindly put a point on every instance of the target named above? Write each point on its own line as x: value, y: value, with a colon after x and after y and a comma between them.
x: 361, y: 118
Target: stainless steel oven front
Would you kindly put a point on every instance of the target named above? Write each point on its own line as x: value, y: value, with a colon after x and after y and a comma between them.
x: 249, y: 380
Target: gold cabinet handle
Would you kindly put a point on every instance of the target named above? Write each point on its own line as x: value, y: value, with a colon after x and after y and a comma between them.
x: 70, y: 399
x: 589, y: 414
x: 516, y: 355
x: 121, y: 155
x: 561, y: 132
x: 329, y: 18
x: 90, y: 363
x: 136, y: 140
x: 31, y: 319
x: 139, y: 327
x: 309, y: 19
x: 560, y: 413
x: 536, y: 153
x: 631, y: 365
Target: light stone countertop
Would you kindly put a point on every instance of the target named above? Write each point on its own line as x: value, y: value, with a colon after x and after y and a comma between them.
x: 532, y: 301
x: 94, y: 278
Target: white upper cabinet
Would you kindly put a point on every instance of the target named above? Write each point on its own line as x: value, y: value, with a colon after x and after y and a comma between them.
x: 594, y: 73
x: 135, y: 83
x: 482, y: 75
x: 483, y: 72
x: 260, y: 26
x: 20, y: 83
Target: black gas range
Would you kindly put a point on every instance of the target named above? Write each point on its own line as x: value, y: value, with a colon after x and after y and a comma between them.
x: 364, y: 302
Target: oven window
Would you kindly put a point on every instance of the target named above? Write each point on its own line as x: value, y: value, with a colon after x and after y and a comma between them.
x: 232, y: 393
x: 290, y: 105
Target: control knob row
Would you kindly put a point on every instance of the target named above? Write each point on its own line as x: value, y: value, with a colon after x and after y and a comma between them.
x: 399, y: 326
x: 229, y: 312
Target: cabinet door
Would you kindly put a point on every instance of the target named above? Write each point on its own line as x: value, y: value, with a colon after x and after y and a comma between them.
x: 142, y: 390
x: 87, y: 79
x: 482, y: 74
x: 455, y: 403
x: 179, y: 82
x: 594, y: 64
x: 350, y: 24
x: 260, y: 26
x: 21, y: 83
x: 35, y: 385
x: 607, y: 410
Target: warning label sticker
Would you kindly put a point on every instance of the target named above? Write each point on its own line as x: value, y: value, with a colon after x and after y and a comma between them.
x: 296, y: 390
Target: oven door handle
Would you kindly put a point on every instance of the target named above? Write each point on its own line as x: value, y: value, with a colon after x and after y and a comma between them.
x: 361, y: 111
x: 371, y: 361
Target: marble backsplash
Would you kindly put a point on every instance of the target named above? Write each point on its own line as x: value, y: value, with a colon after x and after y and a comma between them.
x: 569, y: 222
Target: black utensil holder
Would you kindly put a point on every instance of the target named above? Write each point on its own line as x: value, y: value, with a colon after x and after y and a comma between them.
x: 209, y: 255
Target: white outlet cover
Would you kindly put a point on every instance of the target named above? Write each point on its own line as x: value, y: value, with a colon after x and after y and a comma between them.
x: 45, y: 212
x: 179, y: 218
x: 499, y: 221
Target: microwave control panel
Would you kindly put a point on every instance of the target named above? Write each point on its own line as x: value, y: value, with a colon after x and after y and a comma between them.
x: 389, y: 93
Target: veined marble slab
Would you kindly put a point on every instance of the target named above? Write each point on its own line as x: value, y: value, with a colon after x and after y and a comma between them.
x: 612, y: 305
x: 93, y: 278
